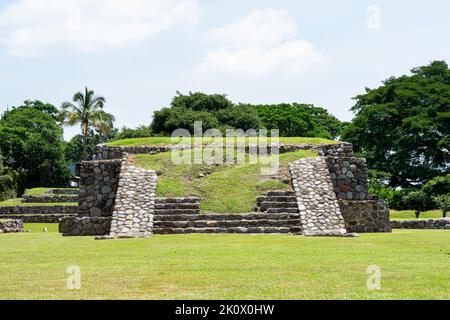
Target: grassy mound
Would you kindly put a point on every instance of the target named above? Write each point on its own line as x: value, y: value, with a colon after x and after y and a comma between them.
x: 222, y: 189
x: 150, y: 141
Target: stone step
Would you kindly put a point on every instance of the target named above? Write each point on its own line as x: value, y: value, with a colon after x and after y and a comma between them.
x: 176, y: 211
x: 280, y: 193
x: 223, y: 217
x: 226, y: 223
x: 276, y: 199
x: 179, y: 206
x: 283, y: 210
x: 272, y: 204
x: 241, y: 230
x: 177, y: 200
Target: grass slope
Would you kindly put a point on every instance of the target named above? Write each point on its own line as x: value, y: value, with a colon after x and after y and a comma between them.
x: 225, y: 189
x: 414, y: 265
x: 168, y: 140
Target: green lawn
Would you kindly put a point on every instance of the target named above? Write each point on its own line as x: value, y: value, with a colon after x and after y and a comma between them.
x: 39, y: 227
x: 410, y: 215
x: 168, y: 140
x: 414, y: 265
x: 223, y: 189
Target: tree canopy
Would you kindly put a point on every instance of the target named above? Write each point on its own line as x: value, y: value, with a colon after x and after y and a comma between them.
x: 402, y: 127
x: 217, y: 111
x: 31, y: 143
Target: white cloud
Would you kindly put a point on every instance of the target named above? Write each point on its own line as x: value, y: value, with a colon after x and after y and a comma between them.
x: 265, y: 41
x: 30, y: 27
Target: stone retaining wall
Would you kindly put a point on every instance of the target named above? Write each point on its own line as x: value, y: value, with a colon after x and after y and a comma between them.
x: 49, y: 198
x: 342, y: 149
x: 11, y: 226
x: 349, y: 177
x: 135, y: 202
x: 98, y: 187
x: 85, y: 226
x: 104, y: 152
x: 37, y: 210
x: 73, y: 191
x: 227, y: 223
x: 365, y: 216
x: 443, y: 223
x: 320, y: 214
x: 40, y: 218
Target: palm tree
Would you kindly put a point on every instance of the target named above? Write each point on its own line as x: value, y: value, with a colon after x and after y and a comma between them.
x: 87, y: 110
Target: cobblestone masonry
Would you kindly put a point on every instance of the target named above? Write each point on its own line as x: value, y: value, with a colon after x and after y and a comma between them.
x: 39, y: 218
x: 443, y: 224
x: 37, y: 210
x: 49, y: 198
x: 11, y: 226
x: 104, y: 152
x: 320, y: 214
x: 349, y: 177
x: 135, y: 202
x: 85, y: 226
x: 98, y: 187
x: 365, y: 216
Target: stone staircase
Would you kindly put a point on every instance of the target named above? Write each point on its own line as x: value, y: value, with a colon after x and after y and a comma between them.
x: 135, y: 203
x: 277, y: 202
x: 182, y: 215
x: 320, y: 214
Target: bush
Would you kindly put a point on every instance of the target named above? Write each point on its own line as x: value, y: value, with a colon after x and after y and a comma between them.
x: 8, y: 187
x: 443, y: 202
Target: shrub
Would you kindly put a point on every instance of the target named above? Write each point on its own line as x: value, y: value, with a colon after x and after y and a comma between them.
x: 443, y: 202
x: 8, y: 187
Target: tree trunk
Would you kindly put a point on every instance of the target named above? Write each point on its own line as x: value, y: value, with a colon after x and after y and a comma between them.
x: 417, y: 214
x: 84, y: 130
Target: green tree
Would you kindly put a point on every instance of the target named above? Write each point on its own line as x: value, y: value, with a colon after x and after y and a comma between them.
x: 87, y: 110
x: 443, y: 202
x: 31, y: 144
x: 402, y: 127
x: 299, y: 120
x: 417, y: 200
x: 74, y: 148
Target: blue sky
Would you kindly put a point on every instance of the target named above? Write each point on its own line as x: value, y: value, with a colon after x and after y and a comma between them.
x: 138, y: 53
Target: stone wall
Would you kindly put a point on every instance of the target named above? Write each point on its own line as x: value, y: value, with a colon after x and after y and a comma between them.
x: 85, y: 226
x: 73, y: 191
x: 257, y: 222
x: 98, y: 187
x: 104, y: 152
x: 349, y: 177
x: 135, y: 202
x: 11, y: 226
x: 49, y: 198
x: 320, y: 214
x: 39, y: 218
x: 365, y: 216
x: 342, y: 149
x: 37, y: 210
x: 443, y: 223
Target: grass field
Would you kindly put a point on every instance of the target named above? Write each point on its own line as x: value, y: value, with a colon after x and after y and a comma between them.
x: 150, y: 141
x: 410, y: 215
x: 414, y: 264
x: 223, y: 189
